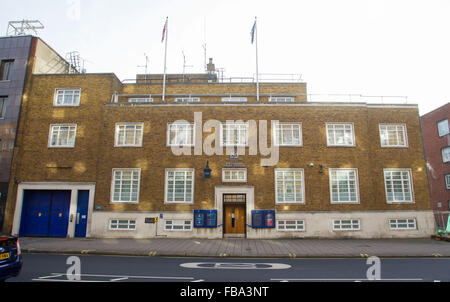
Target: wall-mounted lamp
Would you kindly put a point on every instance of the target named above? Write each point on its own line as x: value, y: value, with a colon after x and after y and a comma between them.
x: 207, y: 170
x: 311, y: 165
x: 321, y: 169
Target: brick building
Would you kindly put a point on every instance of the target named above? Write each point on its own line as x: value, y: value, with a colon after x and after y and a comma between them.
x: 20, y: 57
x: 436, y: 138
x: 98, y: 157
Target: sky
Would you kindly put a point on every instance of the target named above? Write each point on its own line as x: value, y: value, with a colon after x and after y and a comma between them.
x: 358, y: 47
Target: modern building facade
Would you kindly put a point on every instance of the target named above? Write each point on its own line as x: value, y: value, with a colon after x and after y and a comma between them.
x: 98, y: 157
x: 436, y: 138
x: 20, y: 57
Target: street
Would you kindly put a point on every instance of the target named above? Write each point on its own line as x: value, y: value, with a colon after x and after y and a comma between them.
x: 97, y: 268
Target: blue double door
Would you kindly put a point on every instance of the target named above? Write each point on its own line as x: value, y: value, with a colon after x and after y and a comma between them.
x: 45, y: 213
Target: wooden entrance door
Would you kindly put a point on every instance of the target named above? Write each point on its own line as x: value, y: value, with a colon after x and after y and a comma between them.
x: 234, y: 215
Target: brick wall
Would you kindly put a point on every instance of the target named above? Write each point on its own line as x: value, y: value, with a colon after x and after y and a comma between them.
x: 94, y: 155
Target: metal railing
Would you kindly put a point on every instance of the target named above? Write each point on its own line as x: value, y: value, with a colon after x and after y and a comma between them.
x: 441, y: 219
x: 263, y: 78
x: 357, y: 98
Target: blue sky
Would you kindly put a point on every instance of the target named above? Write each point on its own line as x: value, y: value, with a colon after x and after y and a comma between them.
x: 391, y: 48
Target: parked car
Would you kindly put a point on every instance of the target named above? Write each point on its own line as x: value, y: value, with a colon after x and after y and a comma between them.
x: 10, y: 257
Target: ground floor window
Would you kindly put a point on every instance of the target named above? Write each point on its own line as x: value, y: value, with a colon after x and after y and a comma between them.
x: 178, y: 225
x: 402, y: 224
x: 122, y: 224
x: 290, y: 225
x: 346, y: 225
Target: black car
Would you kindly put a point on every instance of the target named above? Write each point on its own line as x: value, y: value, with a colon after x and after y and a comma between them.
x: 10, y: 257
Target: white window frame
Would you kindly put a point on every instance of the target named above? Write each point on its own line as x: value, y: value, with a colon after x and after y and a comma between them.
x: 169, y: 129
x: 224, y: 127
x: 355, y: 224
x: 404, y: 133
x: 281, y: 99
x: 175, y: 170
x: 3, y: 101
x: 334, y: 143
x: 140, y: 100
x: 136, y: 133
x: 186, y: 227
x: 125, y: 221
x: 394, y: 224
x: 302, y: 181
x: 64, y: 91
x: 439, y: 130
x: 447, y: 181
x: 234, y: 100
x: 51, y: 131
x: 410, y: 180
x: 277, y: 130
x: 299, y: 225
x: 445, y: 159
x: 355, y: 170
x: 236, y: 172
x: 187, y: 100
x: 113, y: 185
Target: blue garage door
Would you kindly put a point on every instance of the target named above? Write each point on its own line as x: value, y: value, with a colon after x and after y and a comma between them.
x: 45, y: 213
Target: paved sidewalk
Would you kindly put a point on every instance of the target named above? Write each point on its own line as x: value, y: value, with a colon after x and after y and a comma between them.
x: 281, y: 248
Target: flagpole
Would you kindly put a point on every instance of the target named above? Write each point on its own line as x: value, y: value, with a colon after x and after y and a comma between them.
x: 257, y: 73
x: 165, y: 57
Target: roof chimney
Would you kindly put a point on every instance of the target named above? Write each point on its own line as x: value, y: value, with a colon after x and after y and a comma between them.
x: 211, y: 68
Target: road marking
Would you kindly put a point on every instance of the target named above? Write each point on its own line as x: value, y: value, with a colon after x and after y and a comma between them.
x: 199, y: 280
x: 86, y: 251
x: 343, y: 279
x: 109, y: 278
x: 118, y: 279
x: 220, y: 265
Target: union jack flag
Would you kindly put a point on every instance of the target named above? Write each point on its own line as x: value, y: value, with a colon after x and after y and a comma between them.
x: 164, y: 30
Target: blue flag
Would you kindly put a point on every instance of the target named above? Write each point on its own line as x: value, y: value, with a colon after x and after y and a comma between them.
x: 253, y: 32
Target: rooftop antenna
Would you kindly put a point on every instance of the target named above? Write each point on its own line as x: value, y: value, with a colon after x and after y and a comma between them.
x: 184, y: 64
x: 204, y: 44
x: 24, y: 27
x: 75, y: 62
x: 145, y: 66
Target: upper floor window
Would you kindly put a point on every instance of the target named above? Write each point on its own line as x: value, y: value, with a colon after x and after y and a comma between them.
x: 288, y: 134
x: 398, y: 185
x: 129, y: 134
x: 289, y: 186
x: 125, y: 185
x: 443, y: 128
x: 6, y: 68
x: 234, y: 100
x: 140, y: 100
x: 340, y: 134
x: 446, y: 154
x: 393, y: 135
x: 179, y: 186
x: 234, y: 175
x: 234, y: 134
x: 62, y: 136
x: 278, y: 99
x: 187, y: 100
x: 180, y: 134
x: 67, y: 97
x: 3, y: 101
x: 344, y: 185
x: 447, y: 181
